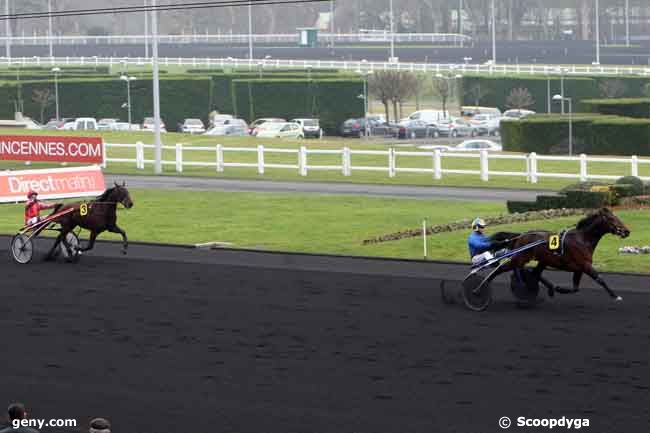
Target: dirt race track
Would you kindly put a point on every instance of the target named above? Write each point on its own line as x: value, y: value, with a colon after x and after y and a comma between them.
x: 177, y: 340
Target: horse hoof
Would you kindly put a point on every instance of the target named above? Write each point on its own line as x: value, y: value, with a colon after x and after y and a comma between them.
x: 124, y: 252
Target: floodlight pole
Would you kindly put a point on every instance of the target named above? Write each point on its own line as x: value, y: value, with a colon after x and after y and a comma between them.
x: 332, y: 24
x: 627, y: 22
x: 494, y: 34
x: 250, y: 30
x: 50, y: 33
x: 597, y: 32
x: 156, y: 91
x: 392, y: 32
x: 7, y: 31
x: 146, y: 31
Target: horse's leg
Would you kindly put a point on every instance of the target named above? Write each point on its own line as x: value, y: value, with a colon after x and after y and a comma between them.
x: 594, y: 275
x: 125, y: 241
x: 576, y: 280
x: 91, y: 242
x: 57, y: 242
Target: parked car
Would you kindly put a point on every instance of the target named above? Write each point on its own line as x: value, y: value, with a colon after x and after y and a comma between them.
x: 259, y: 122
x: 220, y: 119
x: 310, y: 127
x: 456, y: 128
x: 280, y: 130
x: 124, y: 126
x: 439, y: 147
x: 193, y: 126
x: 475, y: 145
x: 486, y: 124
x: 233, y: 127
x: 471, y: 111
x: 148, y: 124
x: 429, y: 116
x: 107, y: 124
x: 81, y: 124
x: 353, y: 128
x: 516, y: 114
x: 57, y: 124
x: 417, y: 129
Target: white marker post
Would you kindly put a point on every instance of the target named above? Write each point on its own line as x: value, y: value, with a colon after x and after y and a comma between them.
x: 424, y: 237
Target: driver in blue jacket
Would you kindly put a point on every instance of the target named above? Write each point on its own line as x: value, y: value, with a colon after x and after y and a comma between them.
x: 480, y: 245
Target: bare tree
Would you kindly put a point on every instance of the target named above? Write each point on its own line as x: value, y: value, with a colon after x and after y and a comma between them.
x: 612, y: 88
x: 444, y: 89
x: 519, y: 99
x: 406, y: 86
x: 646, y: 89
x: 477, y: 93
x: 380, y: 85
x: 42, y: 97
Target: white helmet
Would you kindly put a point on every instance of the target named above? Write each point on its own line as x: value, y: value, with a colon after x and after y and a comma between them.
x: 478, y: 224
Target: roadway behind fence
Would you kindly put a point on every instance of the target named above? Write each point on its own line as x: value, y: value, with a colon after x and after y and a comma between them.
x: 435, y: 160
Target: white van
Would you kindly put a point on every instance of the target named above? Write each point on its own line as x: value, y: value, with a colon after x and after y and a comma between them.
x: 85, y: 124
x: 430, y: 117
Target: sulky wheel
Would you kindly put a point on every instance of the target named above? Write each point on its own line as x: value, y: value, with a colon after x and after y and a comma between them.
x: 22, y: 248
x: 477, y: 294
x: 71, y: 255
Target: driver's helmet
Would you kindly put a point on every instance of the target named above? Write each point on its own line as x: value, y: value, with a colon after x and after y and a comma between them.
x: 31, y: 194
x: 478, y: 224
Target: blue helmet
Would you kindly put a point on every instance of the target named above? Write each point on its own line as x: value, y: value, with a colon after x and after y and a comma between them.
x: 478, y: 224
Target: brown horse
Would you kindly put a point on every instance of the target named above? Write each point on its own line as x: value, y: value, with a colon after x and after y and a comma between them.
x: 574, y: 255
x: 97, y: 216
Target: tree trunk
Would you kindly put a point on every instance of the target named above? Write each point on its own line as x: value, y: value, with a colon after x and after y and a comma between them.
x: 386, y: 109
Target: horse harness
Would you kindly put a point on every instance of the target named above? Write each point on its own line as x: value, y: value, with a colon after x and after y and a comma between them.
x: 556, y: 243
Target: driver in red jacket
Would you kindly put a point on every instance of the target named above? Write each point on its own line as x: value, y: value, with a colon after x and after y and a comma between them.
x: 33, y: 208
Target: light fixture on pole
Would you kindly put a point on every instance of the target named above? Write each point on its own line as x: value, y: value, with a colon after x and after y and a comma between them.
x: 561, y: 99
x: 627, y: 23
x: 332, y: 24
x: 146, y: 31
x: 128, y: 80
x: 156, y: 90
x: 597, y: 62
x: 365, y: 75
x: 494, y: 34
x: 56, y: 72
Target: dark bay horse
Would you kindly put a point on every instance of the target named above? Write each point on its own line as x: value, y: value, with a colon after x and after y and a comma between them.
x: 575, y: 255
x: 97, y: 216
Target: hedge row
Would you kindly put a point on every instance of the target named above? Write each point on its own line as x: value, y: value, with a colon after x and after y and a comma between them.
x: 626, y: 107
x: 592, y: 134
x: 495, y: 89
x: 570, y: 200
x: 179, y: 98
x: 331, y: 100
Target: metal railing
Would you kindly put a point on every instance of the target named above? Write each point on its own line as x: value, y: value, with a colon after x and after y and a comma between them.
x: 434, y: 160
x: 356, y: 65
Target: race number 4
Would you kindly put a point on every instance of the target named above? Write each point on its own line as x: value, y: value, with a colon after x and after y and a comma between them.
x: 83, y: 209
x: 554, y: 242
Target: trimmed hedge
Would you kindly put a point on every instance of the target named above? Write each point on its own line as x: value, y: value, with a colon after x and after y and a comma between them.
x: 578, y: 88
x: 570, y: 200
x: 180, y: 98
x: 331, y: 100
x: 592, y: 134
x: 636, y: 185
x: 626, y: 107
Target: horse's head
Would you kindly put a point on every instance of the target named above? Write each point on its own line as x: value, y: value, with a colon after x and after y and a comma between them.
x: 120, y: 194
x: 611, y: 223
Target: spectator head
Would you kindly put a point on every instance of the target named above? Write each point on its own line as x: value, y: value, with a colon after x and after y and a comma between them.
x: 16, y: 411
x: 100, y: 425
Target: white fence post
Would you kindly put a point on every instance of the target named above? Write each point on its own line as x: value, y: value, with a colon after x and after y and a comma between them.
x: 346, y: 161
x: 179, y: 157
x: 583, y: 167
x: 635, y: 165
x: 533, y: 167
x: 302, y: 161
x: 260, y: 159
x: 139, y: 155
x: 219, y: 151
x: 484, y: 166
x: 391, y: 162
x: 437, y: 165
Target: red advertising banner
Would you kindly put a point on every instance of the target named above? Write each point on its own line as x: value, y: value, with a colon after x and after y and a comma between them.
x: 51, y: 183
x: 56, y: 149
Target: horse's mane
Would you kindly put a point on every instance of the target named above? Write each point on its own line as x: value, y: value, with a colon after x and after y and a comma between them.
x: 587, y: 221
x: 105, y: 195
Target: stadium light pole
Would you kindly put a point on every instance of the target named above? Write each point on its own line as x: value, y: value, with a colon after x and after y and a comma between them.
x: 250, y: 30
x: 460, y: 17
x: 7, y: 31
x: 597, y: 62
x: 332, y: 24
x: 560, y: 98
x: 56, y: 72
x: 50, y: 33
x: 128, y: 80
x: 146, y: 31
x: 156, y: 91
x: 392, y: 32
x: 494, y: 34
x: 627, y: 22
x: 365, y: 75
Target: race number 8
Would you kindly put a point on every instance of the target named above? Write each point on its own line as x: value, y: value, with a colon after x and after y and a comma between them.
x: 83, y: 209
x: 554, y: 242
